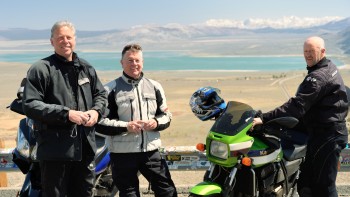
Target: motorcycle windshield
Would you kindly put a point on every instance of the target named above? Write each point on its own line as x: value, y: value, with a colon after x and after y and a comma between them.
x: 234, y: 119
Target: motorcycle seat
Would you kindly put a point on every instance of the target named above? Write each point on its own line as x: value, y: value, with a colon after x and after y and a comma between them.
x: 293, y: 144
x: 293, y: 151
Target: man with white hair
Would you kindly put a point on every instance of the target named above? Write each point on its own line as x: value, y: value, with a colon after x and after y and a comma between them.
x: 321, y: 104
x: 65, y: 98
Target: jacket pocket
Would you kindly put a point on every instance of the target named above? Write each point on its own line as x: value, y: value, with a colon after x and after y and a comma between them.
x: 124, y: 102
x: 85, y: 86
x: 150, y: 101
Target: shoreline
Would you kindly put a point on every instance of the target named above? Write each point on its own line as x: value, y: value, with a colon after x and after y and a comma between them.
x: 105, y: 64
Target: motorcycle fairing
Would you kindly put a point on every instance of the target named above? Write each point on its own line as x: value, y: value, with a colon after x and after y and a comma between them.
x: 240, y: 144
x: 242, y: 147
x: 261, y: 160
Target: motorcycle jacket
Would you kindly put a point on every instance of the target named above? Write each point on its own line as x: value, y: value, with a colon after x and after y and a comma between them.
x: 53, y: 87
x: 128, y: 100
x: 321, y: 100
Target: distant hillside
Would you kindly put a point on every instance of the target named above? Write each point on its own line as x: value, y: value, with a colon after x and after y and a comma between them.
x: 344, y: 41
x: 29, y: 34
x: 192, y: 39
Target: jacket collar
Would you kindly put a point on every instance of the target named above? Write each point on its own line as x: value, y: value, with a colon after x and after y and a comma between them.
x: 75, y: 61
x: 322, y: 63
x: 131, y: 80
x: 63, y: 59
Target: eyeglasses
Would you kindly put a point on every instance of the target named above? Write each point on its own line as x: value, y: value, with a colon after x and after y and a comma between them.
x: 131, y: 47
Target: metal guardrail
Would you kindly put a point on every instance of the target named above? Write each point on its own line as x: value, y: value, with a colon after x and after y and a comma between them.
x: 6, y: 163
x: 177, y: 158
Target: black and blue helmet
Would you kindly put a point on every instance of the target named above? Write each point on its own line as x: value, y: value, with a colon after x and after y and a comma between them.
x: 206, y: 103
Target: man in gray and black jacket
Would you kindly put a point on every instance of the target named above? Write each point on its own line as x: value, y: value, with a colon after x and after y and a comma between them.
x: 137, y: 112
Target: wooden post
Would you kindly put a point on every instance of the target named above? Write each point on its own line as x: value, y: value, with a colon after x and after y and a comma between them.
x: 3, y: 175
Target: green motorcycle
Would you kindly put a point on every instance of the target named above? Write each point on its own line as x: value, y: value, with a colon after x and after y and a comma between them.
x: 245, y: 162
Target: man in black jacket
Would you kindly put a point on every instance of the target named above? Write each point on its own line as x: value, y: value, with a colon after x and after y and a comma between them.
x: 321, y: 103
x: 65, y: 98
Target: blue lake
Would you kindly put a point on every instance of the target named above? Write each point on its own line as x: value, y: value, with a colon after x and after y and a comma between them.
x: 105, y: 61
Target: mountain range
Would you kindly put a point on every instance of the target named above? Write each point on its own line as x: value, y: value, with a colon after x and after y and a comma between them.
x: 214, y: 38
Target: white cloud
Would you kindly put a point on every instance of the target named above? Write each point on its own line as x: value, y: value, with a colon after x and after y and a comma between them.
x: 285, y: 22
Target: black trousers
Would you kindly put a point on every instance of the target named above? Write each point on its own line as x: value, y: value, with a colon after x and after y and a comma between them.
x: 319, y: 172
x: 125, y: 168
x: 69, y: 178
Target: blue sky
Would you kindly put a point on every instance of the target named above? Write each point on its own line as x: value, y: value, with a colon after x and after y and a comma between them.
x: 113, y: 14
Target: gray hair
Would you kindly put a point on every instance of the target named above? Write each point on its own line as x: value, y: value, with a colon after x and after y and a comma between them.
x: 132, y: 47
x: 60, y: 24
x: 317, y: 40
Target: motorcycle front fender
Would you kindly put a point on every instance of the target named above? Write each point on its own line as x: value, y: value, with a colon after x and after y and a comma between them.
x: 206, y: 188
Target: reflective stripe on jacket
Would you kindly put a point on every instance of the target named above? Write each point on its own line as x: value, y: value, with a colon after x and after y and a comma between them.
x: 129, y: 100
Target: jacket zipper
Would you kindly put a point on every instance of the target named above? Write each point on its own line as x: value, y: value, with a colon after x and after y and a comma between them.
x: 142, y: 137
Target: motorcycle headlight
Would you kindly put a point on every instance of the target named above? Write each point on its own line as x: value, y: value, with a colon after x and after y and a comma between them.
x: 219, y: 149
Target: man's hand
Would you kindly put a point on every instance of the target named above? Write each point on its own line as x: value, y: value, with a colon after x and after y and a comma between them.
x: 141, y: 125
x: 88, y: 118
x: 93, y: 117
x: 149, y: 125
x: 135, y: 126
x: 256, y: 121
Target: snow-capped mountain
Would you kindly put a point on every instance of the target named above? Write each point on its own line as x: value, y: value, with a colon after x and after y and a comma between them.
x: 283, y: 23
x: 213, y: 37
